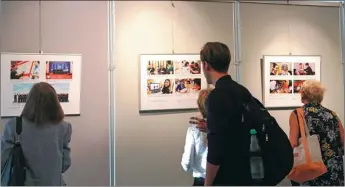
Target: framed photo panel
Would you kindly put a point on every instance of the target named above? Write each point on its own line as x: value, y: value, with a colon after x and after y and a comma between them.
x: 170, y: 82
x: 283, y: 77
x: 19, y: 72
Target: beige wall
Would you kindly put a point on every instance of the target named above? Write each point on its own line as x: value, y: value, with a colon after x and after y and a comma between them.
x: 79, y: 28
x: 149, y: 147
x: 313, y: 31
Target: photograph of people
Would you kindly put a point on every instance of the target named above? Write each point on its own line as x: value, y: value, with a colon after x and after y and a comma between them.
x: 284, y: 70
x: 45, y: 139
x: 187, y: 85
x: 167, y: 87
x: 279, y: 68
x: 159, y: 87
x: 24, y: 70
x: 195, y: 148
x: 280, y: 86
x: 187, y: 67
x: 160, y: 67
x: 327, y: 126
x: 274, y: 68
x: 304, y: 68
x: 297, y: 85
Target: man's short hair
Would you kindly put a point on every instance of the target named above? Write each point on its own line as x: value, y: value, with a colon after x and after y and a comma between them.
x: 217, y: 55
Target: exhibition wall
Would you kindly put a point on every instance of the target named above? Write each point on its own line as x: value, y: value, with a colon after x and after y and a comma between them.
x: 69, y: 27
x: 299, y: 30
x: 149, y: 146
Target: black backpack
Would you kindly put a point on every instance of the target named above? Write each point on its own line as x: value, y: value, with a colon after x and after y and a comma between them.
x: 277, y: 152
x: 13, y: 172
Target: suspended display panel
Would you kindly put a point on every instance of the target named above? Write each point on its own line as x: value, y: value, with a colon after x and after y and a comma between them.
x: 19, y: 72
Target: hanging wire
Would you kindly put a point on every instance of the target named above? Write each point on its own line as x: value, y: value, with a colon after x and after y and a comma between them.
x: 289, y: 26
x: 40, y: 26
x: 173, y: 27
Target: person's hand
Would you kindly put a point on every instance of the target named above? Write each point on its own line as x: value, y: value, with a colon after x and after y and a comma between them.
x: 199, y: 122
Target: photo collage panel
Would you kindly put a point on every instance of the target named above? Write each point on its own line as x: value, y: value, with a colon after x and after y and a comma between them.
x: 24, y: 74
x: 173, y: 77
x: 288, y: 77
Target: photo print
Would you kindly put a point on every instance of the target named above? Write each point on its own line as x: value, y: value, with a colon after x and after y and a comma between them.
x: 304, y: 69
x: 62, y: 91
x: 159, y: 86
x: 185, y: 67
x: 160, y: 67
x: 59, y: 70
x: 280, y: 86
x: 21, y: 91
x: 24, y: 70
x: 280, y: 68
x: 297, y: 85
x: 183, y: 86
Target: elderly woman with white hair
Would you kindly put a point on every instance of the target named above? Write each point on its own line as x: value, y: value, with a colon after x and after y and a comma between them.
x: 326, y: 124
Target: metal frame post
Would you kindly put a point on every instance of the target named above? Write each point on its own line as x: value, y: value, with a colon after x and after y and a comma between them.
x: 237, y: 41
x: 342, y: 34
x: 111, y: 80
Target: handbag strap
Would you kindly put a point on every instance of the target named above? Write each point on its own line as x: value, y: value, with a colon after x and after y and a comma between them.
x: 19, y: 128
x: 304, y: 132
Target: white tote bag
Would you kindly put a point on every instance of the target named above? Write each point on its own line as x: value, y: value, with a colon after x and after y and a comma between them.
x: 308, y: 163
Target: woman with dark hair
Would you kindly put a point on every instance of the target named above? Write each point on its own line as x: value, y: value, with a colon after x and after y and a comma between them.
x: 166, y: 87
x: 44, y: 139
x: 274, y: 69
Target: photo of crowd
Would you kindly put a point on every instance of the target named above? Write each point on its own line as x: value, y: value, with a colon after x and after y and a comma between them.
x: 280, y: 86
x: 159, y: 86
x: 187, y: 85
x: 297, y: 85
x: 25, y: 70
x: 59, y: 70
x: 280, y: 68
x: 188, y: 67
x: 21, y: 91
x: 62, y: 90
x: 304, y: 69
x: 160, y: 67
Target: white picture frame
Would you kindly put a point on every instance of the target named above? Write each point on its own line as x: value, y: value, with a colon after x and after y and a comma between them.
x: 283, y: 77
x: 185, y: 80
x: 19, y: 72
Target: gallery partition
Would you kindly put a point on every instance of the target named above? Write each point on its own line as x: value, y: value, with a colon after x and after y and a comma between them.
x: 252, y: 30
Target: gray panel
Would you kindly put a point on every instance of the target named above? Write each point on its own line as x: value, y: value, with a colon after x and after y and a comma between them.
x: 71, y: 27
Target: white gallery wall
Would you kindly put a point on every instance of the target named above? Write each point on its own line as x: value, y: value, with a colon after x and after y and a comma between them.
x: 299, y: 30
x: 77, y: 27
x: 149, y: 146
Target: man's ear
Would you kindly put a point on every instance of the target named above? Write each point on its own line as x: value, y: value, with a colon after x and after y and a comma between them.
x: 206, y: 66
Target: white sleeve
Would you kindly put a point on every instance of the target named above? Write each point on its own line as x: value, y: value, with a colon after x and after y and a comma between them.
x: 188, y: 154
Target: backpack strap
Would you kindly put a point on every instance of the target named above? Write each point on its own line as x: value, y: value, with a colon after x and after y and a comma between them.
x: 19, y: 128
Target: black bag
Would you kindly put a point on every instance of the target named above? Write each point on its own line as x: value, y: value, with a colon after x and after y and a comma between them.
x: 277, y: 152
x: 13, y: 172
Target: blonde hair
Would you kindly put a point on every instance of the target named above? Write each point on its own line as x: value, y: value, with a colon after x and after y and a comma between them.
x: 202, y: 101
x: 203, y: 94
x: 312, y: 91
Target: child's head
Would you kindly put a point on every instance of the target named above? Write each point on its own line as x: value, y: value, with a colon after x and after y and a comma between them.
x: 202, y: 101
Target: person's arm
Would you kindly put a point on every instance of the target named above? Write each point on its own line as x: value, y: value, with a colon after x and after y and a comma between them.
x: 341, y: 129
x: 294, y: 130
x: 7, y: 142
x: 66, y: 156
x: 216, y: 120
x: 189, y: 149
